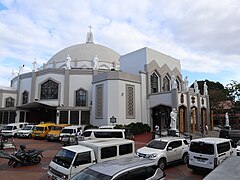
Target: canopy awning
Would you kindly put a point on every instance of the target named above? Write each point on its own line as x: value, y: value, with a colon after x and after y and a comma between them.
x: 34, y: 105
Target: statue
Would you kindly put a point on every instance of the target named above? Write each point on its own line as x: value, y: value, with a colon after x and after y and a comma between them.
x: 226, y: 119
x: 95, y: 62
x: 89, y: 35
x: 186, y: 89
x: 13, y: 74
x: 174, y: 82
x: 34, y: 65
x: 196, y: 90
x: 68, y: 61
x: 173, y: 116
x: 205, y: 89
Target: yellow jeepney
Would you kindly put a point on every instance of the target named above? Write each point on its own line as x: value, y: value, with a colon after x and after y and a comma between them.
x: 53, y: 134
x: 40, y: 131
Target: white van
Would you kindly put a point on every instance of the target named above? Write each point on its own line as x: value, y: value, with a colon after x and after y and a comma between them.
x: 12, y: 129
x: 208, y: 153
x: 72, y: 159
x: 103, y: 133
x: 69, y: 131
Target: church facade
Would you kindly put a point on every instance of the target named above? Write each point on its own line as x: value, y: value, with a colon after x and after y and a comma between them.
x: 92, y: 84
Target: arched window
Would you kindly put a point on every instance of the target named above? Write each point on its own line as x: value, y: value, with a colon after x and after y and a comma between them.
x: 49, y: 90
x: 178, y: 85
x: 25, y: 97
x: 81, y: 98
x: 154, y: 83
x: 10, y: 102
x: 166, y: 84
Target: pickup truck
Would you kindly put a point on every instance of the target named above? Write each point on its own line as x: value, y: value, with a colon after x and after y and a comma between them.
x: 70, y: 160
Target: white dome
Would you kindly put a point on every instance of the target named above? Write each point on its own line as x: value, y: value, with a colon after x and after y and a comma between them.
x: 86, y: 52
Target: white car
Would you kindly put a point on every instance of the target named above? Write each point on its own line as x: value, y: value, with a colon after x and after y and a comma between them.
x: 25, y: 132
x: 165, y: 150
x: 238, y: 148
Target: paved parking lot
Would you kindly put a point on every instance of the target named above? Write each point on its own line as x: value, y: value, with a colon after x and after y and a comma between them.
x: 38, y: 172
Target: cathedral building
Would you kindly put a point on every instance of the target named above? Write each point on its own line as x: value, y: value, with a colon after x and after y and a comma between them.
x: 92, y: 84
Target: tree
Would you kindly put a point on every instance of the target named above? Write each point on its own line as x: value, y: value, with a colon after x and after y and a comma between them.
x: 233, y: 89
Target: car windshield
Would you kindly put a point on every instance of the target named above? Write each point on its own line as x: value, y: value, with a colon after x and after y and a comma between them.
x: 27, y: 128
x: 56, y: 128
x: 7, y: 128
x: 64, y: 158
x: 201, y: 147
x: 90, y: 174
x: 157, y: 144
x: 67, y: 131
x: 36, y: 128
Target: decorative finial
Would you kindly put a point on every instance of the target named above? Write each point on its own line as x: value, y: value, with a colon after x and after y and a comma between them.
x: 34, y: 65
x: 89, y: 35
x: 90, y: 27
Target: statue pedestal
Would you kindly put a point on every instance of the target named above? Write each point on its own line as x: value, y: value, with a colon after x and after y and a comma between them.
x: 227, y: 127
x: 173, y: 132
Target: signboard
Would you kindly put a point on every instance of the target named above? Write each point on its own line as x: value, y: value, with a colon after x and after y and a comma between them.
x: 113, y: 119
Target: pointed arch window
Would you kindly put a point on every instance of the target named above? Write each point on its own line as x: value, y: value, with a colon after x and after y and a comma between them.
x: 10, y: 102
x: 25, y: 97
x: 178, y: 85
x: 81, y: 98
x: 154, y: 83
x: 166, y: 84
x: 49, y: 90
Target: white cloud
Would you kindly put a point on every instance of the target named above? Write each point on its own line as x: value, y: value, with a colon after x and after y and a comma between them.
x: 204, y: 34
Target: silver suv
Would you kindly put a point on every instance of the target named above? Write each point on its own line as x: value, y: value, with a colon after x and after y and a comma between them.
x: 124, y: 168
x: 165, y: 150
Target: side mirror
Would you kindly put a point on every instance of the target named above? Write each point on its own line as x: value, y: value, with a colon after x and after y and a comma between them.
x: 169, y: 148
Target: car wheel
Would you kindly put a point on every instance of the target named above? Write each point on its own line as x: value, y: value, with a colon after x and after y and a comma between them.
x: 162, y: 163
x: 185, y: 158
x: 29, y: 136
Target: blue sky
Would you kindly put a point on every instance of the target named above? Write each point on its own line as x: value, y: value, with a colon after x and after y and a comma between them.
x: 203, y: 35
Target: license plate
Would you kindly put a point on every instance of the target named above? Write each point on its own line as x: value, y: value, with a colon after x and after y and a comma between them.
x: 65, y: 139
x: 201, y: 160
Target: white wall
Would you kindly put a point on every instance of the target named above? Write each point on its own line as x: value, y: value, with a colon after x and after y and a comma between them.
x: 162, y: 59
x: 25, y: 85
x: 5, y: 96
x: 133, y: 62
x: 80, y: 81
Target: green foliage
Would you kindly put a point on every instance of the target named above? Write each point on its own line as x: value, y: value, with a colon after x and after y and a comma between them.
x: 233, y: 89
x: 136, y: 128
x: 90, y: 126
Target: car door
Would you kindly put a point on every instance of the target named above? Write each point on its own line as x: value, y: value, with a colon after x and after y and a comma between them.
x: 179, y: 148
x: 171, y: 151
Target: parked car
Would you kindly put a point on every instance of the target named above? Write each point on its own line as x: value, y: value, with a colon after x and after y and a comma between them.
x: 165, y: 150
x: 25, y: 132
x: 126, y: 168
x: 103, y: 133
x: 54, y: 133
x: 70, y: 131
x: 40, y: 131
x: 12, y: 129
x: 208, y: 153
x: 72, y: 159
x: 238, y: 148
x: 230, y: 134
